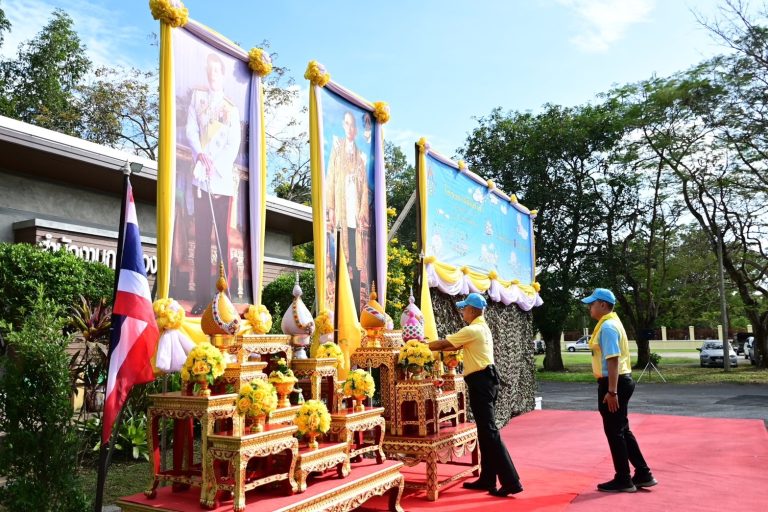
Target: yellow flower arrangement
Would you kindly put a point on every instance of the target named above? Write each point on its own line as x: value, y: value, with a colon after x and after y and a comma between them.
x: 259, y: 318
x: 417, y: 353
x: 536, y: 286
x: 167, y: 12
x: 258, y: 398
x: 330, y: 349
x: 203, y: 362
x: 491, y: 185
x: 423, y: 145
x: 259, y: 62
x: 282, y: 373
x: 168, y: 317
x: 359, y: 383
x: 381, y: 111
x: 313, y: 418
x: 457, y: 356
x: 462, y: 165
x: 316, y: 74
x: 493, y: 274
x: 324, y: 323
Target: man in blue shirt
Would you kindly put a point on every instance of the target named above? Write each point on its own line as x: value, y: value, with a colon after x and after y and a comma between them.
x: 611, y: 367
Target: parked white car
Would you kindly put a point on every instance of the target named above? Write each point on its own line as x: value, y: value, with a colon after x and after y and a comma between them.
x: 712, y: 354
x: 748, y: 346
x: 580, y: 344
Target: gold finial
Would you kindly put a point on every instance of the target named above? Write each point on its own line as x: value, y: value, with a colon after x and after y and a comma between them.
x: 373, y: 290
x: 221, y: 283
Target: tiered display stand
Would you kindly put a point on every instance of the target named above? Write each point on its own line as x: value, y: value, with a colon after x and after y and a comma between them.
x: 425, y: 422
x: 271, y: 469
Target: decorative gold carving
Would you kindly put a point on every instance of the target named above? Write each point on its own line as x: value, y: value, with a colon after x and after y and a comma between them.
x: 386, y: 360
x: 266, y: 344
x: 392, y: 339
x: 321, y: 459
x: 345, y: 424
x: 444, y: 448
x: 316, y: 369
x: 237, y: 451
x: 283, y: 416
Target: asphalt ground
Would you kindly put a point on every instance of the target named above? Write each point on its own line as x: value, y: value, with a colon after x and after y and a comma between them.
x: 748, y: 401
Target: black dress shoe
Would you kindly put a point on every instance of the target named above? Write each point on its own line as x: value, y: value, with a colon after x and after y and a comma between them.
x: 503, y: 492
x: 479, y: 485
x: 617, y: 486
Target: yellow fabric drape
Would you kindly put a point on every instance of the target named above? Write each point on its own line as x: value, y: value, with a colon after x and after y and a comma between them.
x: 166, y: 162
x: 263, y: 195
x: 318, y: 205
x: 430, y: 326
x: 349, y: 336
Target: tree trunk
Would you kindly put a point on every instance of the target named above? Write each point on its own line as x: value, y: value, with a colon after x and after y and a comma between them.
x: 553, y: 359
x: 643, y: 349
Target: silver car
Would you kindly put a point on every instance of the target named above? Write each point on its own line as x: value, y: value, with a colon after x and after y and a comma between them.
x: 712, y: 354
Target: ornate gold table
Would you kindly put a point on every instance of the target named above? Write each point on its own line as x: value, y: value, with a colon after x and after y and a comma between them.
x: 236, y: 451
x: 327, y: 456
x: 317, y: 369
x: 283, y: 416
x: 455, y: 382
x: 385, y: 359
x: 420, y: 395
x: 266, y: 345
x: 451, y: 443
x: 183, y: 410
x: 345, y: 425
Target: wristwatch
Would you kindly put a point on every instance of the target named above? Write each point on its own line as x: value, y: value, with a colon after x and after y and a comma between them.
x: 613, y: 393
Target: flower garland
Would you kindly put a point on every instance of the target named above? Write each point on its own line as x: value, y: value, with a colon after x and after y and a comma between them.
x: 381, y: 111
x: 172, y: 13
x: 330, y: 349
x: 313, y: 417
x: 259, y: 318
x: 260, y: 62
x: 204, y: 360
x: 283, y: 373
x: 167, y: 316
x: 415, y: 352
x: 258, y: 398
x: 358, y: 383
x: 316, y: 74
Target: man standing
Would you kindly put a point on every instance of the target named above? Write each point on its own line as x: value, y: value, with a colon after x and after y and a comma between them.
x: 214, y: 136
x: 483, y: 387
x: 612, y: 368
x: 347, y: 196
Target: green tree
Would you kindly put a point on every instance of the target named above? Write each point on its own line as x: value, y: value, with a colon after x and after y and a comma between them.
x: 5, y: 26
x: 401, y: 184
x: 40, y: 85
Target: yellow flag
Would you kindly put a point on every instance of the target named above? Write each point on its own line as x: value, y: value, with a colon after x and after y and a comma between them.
x: 349, y: 336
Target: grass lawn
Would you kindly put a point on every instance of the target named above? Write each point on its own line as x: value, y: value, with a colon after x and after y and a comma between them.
x: 123, y: 479
x: 677, y: 370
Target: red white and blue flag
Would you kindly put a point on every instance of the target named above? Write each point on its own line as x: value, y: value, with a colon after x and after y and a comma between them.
x: 134, y: 330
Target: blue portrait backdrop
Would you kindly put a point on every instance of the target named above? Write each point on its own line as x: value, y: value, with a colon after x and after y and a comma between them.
x: 348, y: 153
x: 470, y: 225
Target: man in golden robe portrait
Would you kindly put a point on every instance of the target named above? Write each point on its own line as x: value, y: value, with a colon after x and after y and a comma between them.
x: 348, y: 209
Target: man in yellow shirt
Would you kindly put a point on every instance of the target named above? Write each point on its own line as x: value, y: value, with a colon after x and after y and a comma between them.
x: 483, y: 387
x: 611, y: 366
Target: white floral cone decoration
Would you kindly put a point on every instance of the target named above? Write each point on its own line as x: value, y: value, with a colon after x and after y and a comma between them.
x: 174, y: 346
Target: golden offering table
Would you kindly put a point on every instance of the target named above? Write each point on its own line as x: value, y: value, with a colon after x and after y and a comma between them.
x: 385, y: 359
x: 227, y: 459
x: 317, y: 369
x: 183, y: 409
x: 392, y: 339
x: 455, y: 382
x: 420, y: 403
x: 283, y: 416
x: 266, y: 345
x: 444, y: 448
x: 348, y: 424
x: 236, y: 375
x: 328, y: 455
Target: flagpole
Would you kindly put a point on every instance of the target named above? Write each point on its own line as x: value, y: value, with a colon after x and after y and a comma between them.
x: 104, y: 454
x: 336, y: 286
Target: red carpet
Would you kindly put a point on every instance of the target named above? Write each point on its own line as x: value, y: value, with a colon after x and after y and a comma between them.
x: 702, y: 464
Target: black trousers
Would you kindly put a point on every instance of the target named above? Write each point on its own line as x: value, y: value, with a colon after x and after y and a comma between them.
x: 204, y: 272
x: 621, y: 440
x: 483, y: 388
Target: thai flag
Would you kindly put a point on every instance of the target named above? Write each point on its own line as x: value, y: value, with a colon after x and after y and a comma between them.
x: 134, y: 330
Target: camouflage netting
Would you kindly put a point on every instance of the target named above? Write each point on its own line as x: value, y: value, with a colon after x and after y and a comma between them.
x: 512, y: 331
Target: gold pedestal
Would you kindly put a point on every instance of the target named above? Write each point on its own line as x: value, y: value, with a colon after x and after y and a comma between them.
x: 385, y: 359
x: 325, y: 457
x: 345, y: 425
x: 230, y: 455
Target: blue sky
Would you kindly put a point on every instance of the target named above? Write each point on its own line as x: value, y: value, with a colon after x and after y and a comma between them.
x: 437, y: 63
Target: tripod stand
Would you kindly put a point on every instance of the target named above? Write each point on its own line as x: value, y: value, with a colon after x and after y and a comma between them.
x: 648, y: 367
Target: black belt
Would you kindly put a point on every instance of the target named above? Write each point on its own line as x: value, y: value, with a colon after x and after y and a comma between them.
x: 625, y: 376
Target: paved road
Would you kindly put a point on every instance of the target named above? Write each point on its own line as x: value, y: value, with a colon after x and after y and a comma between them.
x: 711, y: 401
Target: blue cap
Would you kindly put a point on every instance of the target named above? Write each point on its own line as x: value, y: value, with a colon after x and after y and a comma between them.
x: 600, y: 294
x: 473, y: 299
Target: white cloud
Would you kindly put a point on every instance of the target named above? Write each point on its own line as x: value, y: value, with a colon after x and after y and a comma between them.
x: 603, y: 22
x: 93, y: 22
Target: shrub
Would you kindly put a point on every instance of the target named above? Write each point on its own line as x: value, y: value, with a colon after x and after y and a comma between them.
x: 38, y: 455
x: 278, y: 295
x: 23, y: 267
